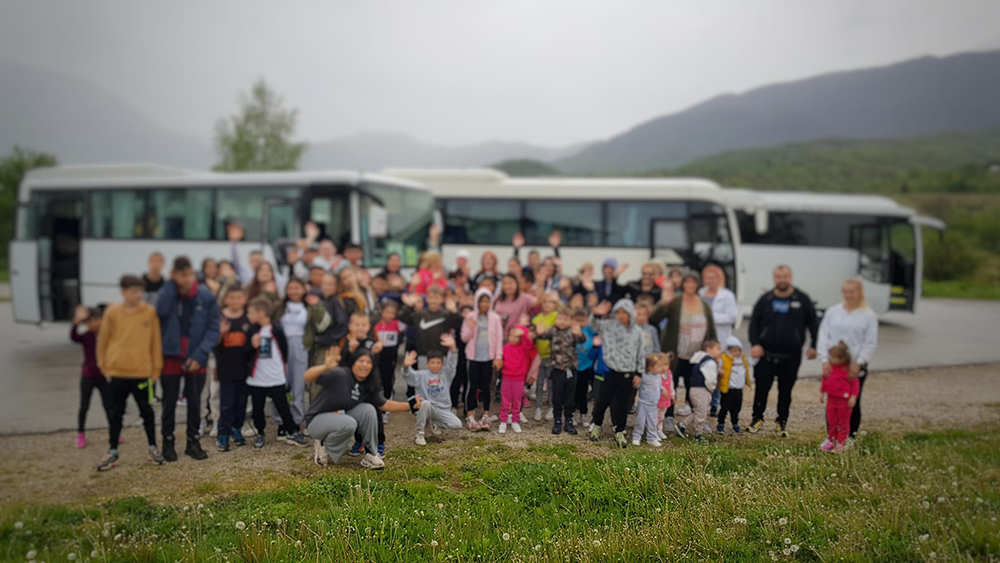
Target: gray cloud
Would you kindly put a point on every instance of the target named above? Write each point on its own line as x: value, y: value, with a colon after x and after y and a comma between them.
x: 452, y: 71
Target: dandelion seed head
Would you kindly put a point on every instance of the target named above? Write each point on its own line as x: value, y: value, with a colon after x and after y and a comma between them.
x: 32, y: 554
x: 786, y: 551
x: 597, y: 543
x: 788, y: 541
x: 18, y: 525
x: 434, y: 543
x: 782, y: 521
x: 794, y: 548
x: 241, y: 526
x: 506, y: 536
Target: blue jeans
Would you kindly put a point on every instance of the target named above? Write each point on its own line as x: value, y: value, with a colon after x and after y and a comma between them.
x: 716, y: 398
x: 232, y: 406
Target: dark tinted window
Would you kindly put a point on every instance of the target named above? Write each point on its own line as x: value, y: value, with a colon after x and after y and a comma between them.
x: 629, y: 221
x: 118, y: 214
x: 481, y: 221
x: 578, y: 221
x: 826, y: 230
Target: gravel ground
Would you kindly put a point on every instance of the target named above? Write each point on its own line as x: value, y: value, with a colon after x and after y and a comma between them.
x: 46, y: 468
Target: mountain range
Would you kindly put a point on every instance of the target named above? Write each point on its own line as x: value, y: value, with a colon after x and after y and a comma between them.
x: 81, y: 123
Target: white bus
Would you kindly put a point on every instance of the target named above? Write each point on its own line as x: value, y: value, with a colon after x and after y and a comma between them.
x: 79, y: 228
x: 827, y: 238
x: 676, y: 221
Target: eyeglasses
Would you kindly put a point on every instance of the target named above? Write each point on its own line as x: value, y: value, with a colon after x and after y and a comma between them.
x: 649, y: 273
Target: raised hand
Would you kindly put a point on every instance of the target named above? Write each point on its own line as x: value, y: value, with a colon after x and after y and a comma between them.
x: 270, y: 287
x: 311, y: 299
x: 81, y: 312
x: 603, y: 308
x: 225, y: 325
x: 575, y: 329
x: 352, y: 343
x: 555, y: 239
x: 332, y: 357
x: 517, y: 240
x: 448, y: 341
x: 598, y: 341
x: 471, y: 321
x: 621, y: 269
x: 255, y: 340
x: 377, y: 348
x: 410, y: 359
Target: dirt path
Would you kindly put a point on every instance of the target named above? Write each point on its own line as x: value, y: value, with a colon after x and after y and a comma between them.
x: 43, y: 469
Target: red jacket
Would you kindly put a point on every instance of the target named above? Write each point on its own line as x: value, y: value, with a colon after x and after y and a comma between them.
x: 839, y: 386
x: 517, y: 359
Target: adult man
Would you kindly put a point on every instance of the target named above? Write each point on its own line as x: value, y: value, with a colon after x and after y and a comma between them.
x: 777, y: 333
x: 646, y: 285
x: 608, y: 289
x: 189, y: 322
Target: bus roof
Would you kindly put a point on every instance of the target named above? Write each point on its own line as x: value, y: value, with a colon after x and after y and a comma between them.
x: 491, y: 183
x: 817, y: 202
x: 151, y: 176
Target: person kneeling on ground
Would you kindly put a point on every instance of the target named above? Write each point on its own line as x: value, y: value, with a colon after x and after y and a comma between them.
x: 345, y: 405
x: 434, y: 383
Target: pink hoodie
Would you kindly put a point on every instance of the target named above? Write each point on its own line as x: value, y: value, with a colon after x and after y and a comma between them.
x: 517, y: 359
x: 495, y: 331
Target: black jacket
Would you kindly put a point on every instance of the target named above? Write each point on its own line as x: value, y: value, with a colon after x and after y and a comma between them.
x: 430, y: 326
x: 279, y: 338
x: 801, y: 317
x: 617, y: 291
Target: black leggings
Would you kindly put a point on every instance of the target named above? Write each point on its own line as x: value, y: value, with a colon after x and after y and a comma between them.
x: 87, y: 387
x: 730, y: 403
x: 119, y: 389
x: 856, y: 412
x: 585, y: 378
x: 387, y: 368
x: 278, y: 395
x: 480, y: 376
x: 683, y: 371
x: 615, y: 391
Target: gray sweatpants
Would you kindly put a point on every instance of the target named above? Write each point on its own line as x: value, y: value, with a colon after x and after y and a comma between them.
x: 435, y: 415
x: 699, y: 397
x: 336, y: 431
x: 298, y: 363
x: 645, y: 421
x: 544, y: 371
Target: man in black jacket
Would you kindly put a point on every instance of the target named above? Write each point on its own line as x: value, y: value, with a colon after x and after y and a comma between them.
x: 777, y: 333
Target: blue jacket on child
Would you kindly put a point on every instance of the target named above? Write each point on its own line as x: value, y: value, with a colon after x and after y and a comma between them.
x: 204, y: 322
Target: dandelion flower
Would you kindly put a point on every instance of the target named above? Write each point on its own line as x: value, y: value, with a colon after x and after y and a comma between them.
x: 440, y: 505
x: 718, y: 530
x: 782, y: 521
x: 241, y: 526
x: 94, y: 554
x: 118, y: 537
x: 788, y: 541
x: 940, y: 500
x: 795, y: 547
x: 597, y: 543
x: 71, y: 556
x: 32, y: 554
x: 923, y: 538
x: 786, y: 551
x: 434, y: 543
x: 298, y: 543
x: 18, y: 525
x: 506, y: 536
x: 200, y: 506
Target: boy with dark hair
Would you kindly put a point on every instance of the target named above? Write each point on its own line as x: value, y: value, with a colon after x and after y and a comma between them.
x: 433, y: 384
x: 129, y: 354
x: 267, y: 378
x: 431, y: 322
x: 189, y: 319
x: 563, y: 337
x: 701, y: 382
x: 153, y: 278
x: 233, y: 355
x: 621, y: 350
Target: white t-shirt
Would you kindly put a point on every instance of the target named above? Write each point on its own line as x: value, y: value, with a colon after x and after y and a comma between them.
x: 269, y: 369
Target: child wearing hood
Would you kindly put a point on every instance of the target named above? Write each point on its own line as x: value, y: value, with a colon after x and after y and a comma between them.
x: 482, y: 333
x: 701, y: 382
x: 734, y: 375
x: 621, y: 342
x: 518, y: 354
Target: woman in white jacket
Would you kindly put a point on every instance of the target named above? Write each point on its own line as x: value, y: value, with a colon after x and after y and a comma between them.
x: 724, y: 311
x: 854, y: 322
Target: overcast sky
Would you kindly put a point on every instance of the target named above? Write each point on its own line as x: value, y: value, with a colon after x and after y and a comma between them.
x: 457, y: 71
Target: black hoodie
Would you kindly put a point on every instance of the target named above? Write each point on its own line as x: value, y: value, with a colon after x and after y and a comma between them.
x: 783, y: 337
x: 430, y: 326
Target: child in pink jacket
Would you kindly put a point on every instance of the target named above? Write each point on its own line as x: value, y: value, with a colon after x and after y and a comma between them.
x: 482, y: 333
x: 667, y: 381
x: 518, y: 355
x: 841, y: 393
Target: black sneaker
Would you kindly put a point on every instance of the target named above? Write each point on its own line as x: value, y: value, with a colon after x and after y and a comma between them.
x: 699, y: 439
x: 169, y: 453
x: 193, y: 449
x: 569, y: 428
x: 713, y: 412
x: 557, y: 427
x: 680, y: 429
x: 258, y: 442
x: 281, y: 433
x: 237, y: 437
x: 222, y: 443
x: 781, y: 429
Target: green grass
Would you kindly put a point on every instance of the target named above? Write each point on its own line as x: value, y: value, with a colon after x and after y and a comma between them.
x: 961, y: 289
x: 915, y: 497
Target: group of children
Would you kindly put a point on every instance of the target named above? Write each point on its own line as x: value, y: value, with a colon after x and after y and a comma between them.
x: 456, y: 356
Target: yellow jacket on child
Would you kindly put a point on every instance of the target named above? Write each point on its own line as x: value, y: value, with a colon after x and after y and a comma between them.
x: 727, y: 369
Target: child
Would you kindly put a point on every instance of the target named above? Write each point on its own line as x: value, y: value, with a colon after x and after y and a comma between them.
x: 584, y: 365
x: 651, y: 391
x: 153, y: 279
x: 622, y: 352
x: 293, y: 317
x: 130, y: 353
x: 389, y: 331
x: 518, y: 354
x: 268, y: 376
x: 359, y: 338
x: 841, y: 394
x: 667, y: 399
x: 562, y: 338
x: 431, y: 323
x: 541, y: 322
x: 650, y: 336
x: 91, y: 377
x: 735, y: 375
x: 704, y: 375
x: 233, y: 355
x: 433, y: 385
x: 483, y: 334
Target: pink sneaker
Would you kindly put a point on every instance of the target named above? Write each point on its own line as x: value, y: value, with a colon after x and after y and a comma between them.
x: 828, y: 445
x: 473, y: 425
x: 484, y: 423
x: 81, y: 440
x: 837, y: 448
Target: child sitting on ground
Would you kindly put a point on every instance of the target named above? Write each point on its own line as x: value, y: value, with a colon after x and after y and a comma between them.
x: 518, y: 354
x: 704, y: 375
x: 734, y: 375
x: 91, y: 377
x: 434, y: 386
x: 651, y: 390
x: 841, y: 393
x: 666, y: 399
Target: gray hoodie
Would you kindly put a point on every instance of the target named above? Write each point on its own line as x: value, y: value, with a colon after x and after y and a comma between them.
x: 434, y: 388
x: 622, y: 346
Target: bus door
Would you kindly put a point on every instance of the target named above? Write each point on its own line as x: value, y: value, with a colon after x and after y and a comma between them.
x: 902, y: 266
x: 872, y: 244
x: 281, y: 227
x: 23, y: 264
x: 669, y: 241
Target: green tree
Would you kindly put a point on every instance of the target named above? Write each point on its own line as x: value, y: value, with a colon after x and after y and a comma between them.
x: 259, y: 136
x: 12, y: 170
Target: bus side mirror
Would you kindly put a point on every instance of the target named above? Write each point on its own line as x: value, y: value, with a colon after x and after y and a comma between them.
x: 378, y: 222
x: 760, y: 221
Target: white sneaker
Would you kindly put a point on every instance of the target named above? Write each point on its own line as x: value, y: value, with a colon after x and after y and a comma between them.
x: 503, y: 428
x: 215, y: 429
x: 419, y: 439
x: 516, y: 428
x: 372, y: 461
x: 201, y: 428
x: 538, y: 414
x: 385, y: 418
x: 654, y: 443
x: 684, y: 411
x: 636, y: 443
x: 662, y: 435
x: 435, y: 429
x: 510, y: 418
x: 548, y: 414
x: 319, y: 454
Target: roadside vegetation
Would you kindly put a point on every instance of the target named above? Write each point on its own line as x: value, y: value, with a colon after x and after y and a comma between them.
x: 910, y: 497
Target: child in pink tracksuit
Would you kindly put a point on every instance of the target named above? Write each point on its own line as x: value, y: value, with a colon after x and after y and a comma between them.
x: 518, y: 354
x: 841, y: 393
x: 667, y: 379
x: 482, y: 333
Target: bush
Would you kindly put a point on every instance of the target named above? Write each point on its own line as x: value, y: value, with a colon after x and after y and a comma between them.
x: 950, y: 259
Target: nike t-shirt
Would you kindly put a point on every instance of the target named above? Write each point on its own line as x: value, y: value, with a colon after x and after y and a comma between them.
x: 430, y: 326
